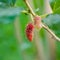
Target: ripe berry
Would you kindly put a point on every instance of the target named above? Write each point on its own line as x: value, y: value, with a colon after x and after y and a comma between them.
x: 29, y: 31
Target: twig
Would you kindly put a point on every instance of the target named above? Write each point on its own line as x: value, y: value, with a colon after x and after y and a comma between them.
x: 30, y: 9
x: 50, y: 31
x: 44, y: 26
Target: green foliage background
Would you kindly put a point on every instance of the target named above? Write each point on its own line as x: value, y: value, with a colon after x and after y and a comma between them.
x: 13, y: 49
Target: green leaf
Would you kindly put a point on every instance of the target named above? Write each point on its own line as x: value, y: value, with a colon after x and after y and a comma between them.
x: 3, y: 5
x: 53, y: 21
x: 57, y: 11
x: 8, y: 2
x: 55, y: 4
x: 10, y: 11
x: 8, y: 14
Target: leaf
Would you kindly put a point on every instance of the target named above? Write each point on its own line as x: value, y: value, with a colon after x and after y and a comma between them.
x: 3, y: 5
x: 57, y: 11
x: 10, y: 11
x: 8, y: 14
x: 8, y: 2
x: 53, y: 21
x: 55, y: 4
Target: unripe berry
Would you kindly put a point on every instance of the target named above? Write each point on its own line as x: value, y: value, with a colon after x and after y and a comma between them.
x: 37, y: 21
x: 29, y: 31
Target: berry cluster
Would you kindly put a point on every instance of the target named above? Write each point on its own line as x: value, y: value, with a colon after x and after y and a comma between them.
x: 30, y: 27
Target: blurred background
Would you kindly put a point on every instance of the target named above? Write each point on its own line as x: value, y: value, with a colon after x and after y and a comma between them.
x: 14, y: 44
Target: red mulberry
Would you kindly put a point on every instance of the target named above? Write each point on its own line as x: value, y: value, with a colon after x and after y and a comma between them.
x: 29, y: 31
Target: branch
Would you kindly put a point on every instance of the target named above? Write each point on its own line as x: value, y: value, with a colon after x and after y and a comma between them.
x: 44, y: 26
x: 50, y: 31
x: 30, y: 9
